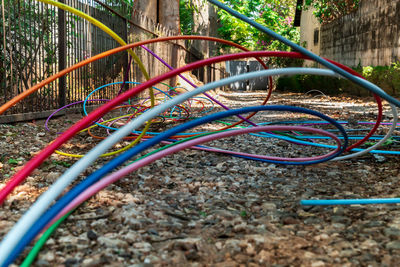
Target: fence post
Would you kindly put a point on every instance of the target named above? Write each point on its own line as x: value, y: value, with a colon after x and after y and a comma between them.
x: 62, y: 49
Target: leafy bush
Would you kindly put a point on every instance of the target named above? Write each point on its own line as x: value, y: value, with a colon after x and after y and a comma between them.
x: 385, y: 77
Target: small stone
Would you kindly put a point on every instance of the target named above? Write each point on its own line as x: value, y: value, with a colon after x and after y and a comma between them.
x: 222, y: 167
x: 373, y: 224
x: 268, y: 206
x: 250, y: 250
x: 152, y: 231
x: 91, y: 235
x: 379, y: 158
x: 347, y: 253
x: 309, y: 255
x: 142, y: 265
x: 312, y: 220
x: 218, y: 245
x: 241, y: 258
x: 317, y: 264
x: 41, y: 263
x: 264, y: 256
x: 321, y: 237
x: 233, y: 244
x: 290, y: 220
x: 143, y: 246
x: 302, y: 233
x: 151, y: 259
x: 224, y: 213
x: 369, y: 243
x: 90, y: 262
x: 134, y: 223
x: 229, y: 263
x: 392, y: 232
x: 393, y: 245
x: 52, y: 176
x: 112, y: 242
x: 240, y: 228
x: 69, y: 239
x: 71, y: 262
x: 340, y: 219
x: 48, y: 257
x: 338, y: 225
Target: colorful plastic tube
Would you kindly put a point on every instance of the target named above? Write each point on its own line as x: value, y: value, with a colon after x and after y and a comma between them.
x: 43, y: 202
x: 39, y: 158
x: 26, y: 227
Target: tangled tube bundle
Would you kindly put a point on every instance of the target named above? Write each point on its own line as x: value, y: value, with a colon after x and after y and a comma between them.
x: 185, y: 108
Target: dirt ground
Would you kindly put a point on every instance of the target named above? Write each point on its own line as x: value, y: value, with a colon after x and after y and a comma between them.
x: 196, y: 208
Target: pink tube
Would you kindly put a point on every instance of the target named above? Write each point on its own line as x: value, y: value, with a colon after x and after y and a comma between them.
x: 147, y: 160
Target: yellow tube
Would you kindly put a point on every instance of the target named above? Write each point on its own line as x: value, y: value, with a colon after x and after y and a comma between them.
x: 122, y: 43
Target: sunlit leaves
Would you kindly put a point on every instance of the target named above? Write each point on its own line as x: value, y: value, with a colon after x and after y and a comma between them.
x: 276, y: 15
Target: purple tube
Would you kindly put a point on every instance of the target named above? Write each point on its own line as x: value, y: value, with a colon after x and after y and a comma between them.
x: 66, y: 106
x: 209, y: 96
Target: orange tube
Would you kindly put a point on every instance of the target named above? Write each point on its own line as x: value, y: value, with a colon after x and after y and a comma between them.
x: 36, y: 87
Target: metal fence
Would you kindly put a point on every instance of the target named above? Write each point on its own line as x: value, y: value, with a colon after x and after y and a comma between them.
x: 37, y: 40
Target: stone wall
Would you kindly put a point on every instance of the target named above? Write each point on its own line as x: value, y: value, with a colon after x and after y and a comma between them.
x: 369, y: 36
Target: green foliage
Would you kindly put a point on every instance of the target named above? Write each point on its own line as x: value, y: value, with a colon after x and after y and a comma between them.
x: 13, y: 161
x: 186, y: 11
x: 277, y: 15
x: 328, y: 10
x: 123, y: 7
x: 26, y: 29
x: 386, y: 77
x: 61, y: 163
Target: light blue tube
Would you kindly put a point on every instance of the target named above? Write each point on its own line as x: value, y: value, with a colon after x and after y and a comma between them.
x: 361, y: 201
x: 364, y: 83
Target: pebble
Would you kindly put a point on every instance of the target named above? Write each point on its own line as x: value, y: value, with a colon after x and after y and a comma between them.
x: 264, y: 256
x: 340, y: 219
x: 393, y: 245
x: 392, y: 232
x: 233, y: 244
x: 312, y: 220
x: 317, y: 264
x: 112, y: 242
x: 143, y: 246
x: 91, y: 235
x: 268, y: 206
x: 367, y: 244
x: 42, y: 263
x: 71, y: 262
x: 275, y: 231
x: 90, y: 262
x: 321, y: 237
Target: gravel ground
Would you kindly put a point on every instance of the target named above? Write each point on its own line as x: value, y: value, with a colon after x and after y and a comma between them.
x: 203, y: 209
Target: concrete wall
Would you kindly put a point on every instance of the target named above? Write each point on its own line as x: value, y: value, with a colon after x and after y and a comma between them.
x: 308, y: 25
x: 369, y: 36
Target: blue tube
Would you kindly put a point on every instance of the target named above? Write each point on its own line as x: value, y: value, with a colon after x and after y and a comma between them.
x: 371, y: 87
x: 103, y: 86
x: 367, y: 201
x: 114, y: 163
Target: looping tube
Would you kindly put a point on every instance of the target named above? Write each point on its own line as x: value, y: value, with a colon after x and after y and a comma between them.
x: 90, y: 191
x: 39, y: 158
x: 18, y: 237
x: 30, y: 221
x: 43, y: 202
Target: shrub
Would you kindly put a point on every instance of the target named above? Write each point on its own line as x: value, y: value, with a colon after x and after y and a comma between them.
x: 385, y: 77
